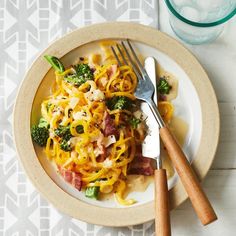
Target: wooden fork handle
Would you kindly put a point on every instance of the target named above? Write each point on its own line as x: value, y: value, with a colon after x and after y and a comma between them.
x: 162, y: 217
x: 191, y: 184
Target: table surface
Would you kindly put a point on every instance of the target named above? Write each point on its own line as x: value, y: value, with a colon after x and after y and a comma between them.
x: 26, y: 27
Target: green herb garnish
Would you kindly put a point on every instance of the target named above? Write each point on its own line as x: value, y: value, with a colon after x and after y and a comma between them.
x: 134, y: 122
x: 119, y: 102
x: 163, y: 87
x: 65, y: 145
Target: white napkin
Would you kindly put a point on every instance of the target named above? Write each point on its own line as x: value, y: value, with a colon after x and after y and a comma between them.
x: 26, y: 28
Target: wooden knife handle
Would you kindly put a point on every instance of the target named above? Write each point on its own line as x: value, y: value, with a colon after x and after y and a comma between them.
x: 162, y: 217
x: 191, y: 184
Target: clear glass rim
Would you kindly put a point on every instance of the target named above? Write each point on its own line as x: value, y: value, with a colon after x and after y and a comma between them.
x: 210, y: 24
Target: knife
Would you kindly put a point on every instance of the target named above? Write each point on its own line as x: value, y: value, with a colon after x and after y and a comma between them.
x: 151, y: 149
x: 152, y: 139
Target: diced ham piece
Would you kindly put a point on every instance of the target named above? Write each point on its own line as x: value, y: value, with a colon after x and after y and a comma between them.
x: 112, y: 71
x: 71, y: 177
x: 109, y: 125
x: 141, y: 165
x: 162, y: 97
x: 101, y: 149
x: 103, y: 154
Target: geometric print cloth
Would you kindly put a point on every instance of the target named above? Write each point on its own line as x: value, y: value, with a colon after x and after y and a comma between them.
x: 26, y: 28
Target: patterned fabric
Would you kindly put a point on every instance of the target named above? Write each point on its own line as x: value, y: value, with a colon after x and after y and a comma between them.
x: 26, y: 28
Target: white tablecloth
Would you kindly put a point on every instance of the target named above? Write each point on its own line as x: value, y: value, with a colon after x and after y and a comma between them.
x: 26, y: 28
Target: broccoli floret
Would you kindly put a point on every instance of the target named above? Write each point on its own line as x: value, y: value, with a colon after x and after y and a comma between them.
x: 84, y: 70
x: 163, y: 86
x: 92, y: 192
x: 43, y: 123
x: 65, y: 145
x: 40, y: 132
x: 63, y: 132
x: 40, y: 135
x: 119, y: 102
x: 134, y: 122
x: 82, y: 74
x: 55, y: 63
x: 74, y: 79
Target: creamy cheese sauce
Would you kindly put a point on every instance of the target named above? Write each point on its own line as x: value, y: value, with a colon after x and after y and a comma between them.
x: 137, y: 183
x: 179, y: 128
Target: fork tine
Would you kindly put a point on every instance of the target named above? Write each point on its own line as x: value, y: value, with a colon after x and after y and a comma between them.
x: 116, y: 56
x: 122, y: 54
x: 136, y: 58
x: 135, y: 68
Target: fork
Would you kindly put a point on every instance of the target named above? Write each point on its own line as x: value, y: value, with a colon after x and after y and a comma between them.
x: 144, y: 92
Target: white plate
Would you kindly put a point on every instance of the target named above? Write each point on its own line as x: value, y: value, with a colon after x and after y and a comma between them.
x: 196, y: 104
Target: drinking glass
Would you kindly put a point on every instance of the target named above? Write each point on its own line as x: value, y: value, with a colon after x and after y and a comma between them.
x: 199, y: 21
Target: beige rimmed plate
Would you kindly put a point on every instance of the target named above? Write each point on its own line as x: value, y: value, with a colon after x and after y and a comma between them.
x: 196, y: 104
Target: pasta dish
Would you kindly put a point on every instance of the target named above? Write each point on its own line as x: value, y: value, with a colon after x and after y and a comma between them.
x: 91, y: 125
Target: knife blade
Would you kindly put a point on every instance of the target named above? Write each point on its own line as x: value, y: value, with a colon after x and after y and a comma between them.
x: 151, y: 144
